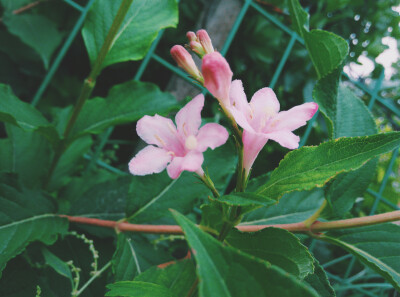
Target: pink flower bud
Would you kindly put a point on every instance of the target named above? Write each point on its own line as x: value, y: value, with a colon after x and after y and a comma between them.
x: 185, y: 61
x: 205, y: 41
x: 197, y: 48
x: 191, y: 36
x: 217, y: 76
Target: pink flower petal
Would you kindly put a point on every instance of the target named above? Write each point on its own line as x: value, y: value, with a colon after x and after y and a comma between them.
x: 149, y: 160
x: 191, y: 162
x: 211, y: 136
x: 217, y: 76
x: 285, y: 138
x: 188, y: 119
x: 252, y: 145
x: 294, y: 117
x: 161, y: 132
x: 264, y: 105
x: 238, y: 98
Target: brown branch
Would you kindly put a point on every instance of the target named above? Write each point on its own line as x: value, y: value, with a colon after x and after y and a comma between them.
x: 295, y: 227
x: 27, y: 7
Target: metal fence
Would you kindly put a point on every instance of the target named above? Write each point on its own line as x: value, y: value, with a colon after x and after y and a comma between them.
x: 344, y: 283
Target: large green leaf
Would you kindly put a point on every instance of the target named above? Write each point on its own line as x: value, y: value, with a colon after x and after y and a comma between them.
x: 292, y: 208
x: 327, y: 50
x: 140, y: 27
x: 125, y: 103
x: 276, y: 246
x: 25, y: 216
x: 319, y: 281
x: 178, y: 277
x: 151, y: 196
x: 376, y: 246
x: 220, y: 268
x: 37, y: 31
x: 28, y: 147
x: 138, y: 289
x: 134, y: 254
x: 19, y: 113
x: 310, y: 167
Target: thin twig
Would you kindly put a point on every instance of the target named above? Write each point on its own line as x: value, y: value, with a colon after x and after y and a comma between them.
x: 27, y: 7
x: 294, y: 227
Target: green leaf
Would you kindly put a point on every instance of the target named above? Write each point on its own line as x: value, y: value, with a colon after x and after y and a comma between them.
x: 70, y: 163
x: 152, y: 196
x: 219, y: 268
x: 138, y: 289
x: 327, y: 50
x: 25, y: 216
x: 319, y: 281
x: 310, y: 167
x: 178, y: 277
x: 140, y: 27
x: 125, y: 261
x: 6, y: 159
x: 21, y: 114
x: 276, y: 246
x: 292, y: 208
x: 247, y: 201
x: 125, y: 103
x: 377, y: 246
x: 56, y: 263
x: 29, y: 148
x: 37, y: 31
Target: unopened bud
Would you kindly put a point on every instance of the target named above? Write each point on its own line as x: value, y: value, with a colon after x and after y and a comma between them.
x: 185, y: 61
x: 205, y: 41
x: 191, y: 36
x: 197, y: 48
x: 217, y: 76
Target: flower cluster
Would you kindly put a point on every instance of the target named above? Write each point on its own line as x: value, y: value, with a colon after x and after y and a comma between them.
x: 181, y: 148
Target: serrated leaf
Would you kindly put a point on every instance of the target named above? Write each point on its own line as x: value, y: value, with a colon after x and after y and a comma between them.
x: 138, y: 289
x: 247, y: 201
x: 140, y: 27
x: 56, y: 263
x: 310, y: 167
x: 178, y: 277
x: 134, y: 254
x: 152, y: 196
x: 327, y: 50
x: 125, y: 103
x: 276, y: 246
x: 21, y: 114
x: 25, y: 216
x: 319, y: 281
x: 37, y: 31
x: 28, y: 147
x: 220, y: 267
x: 292, y: 208
x: 376, y: 246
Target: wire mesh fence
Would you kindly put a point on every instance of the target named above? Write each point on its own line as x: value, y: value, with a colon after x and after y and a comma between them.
x: 344, y: 283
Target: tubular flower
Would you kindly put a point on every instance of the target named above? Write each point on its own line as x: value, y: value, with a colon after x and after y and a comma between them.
x: 261, y: 120
x: 179, y: 147
x: 200, y: 43
x: 217, y: 77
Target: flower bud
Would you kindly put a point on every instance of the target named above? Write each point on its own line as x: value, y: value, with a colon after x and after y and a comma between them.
x: 217, y: 76
x: 196, y: 47
x: 185, y: 61
x: 205, y: 41
x: 191, y: 36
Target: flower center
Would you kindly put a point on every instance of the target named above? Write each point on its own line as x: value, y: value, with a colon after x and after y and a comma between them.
x: 269, y: 111
x: 191, y: 142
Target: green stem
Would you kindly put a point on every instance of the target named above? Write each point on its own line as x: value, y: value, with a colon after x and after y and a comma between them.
x: 209, y: 184
x: 90, y: 82
x: 308, y: 222
x: 96, y: 275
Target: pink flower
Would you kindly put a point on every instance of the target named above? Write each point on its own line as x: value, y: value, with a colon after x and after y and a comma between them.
x: 217, y: 76
x: 185, y: 61
x: 261, y: 120
x: 179, y: 147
